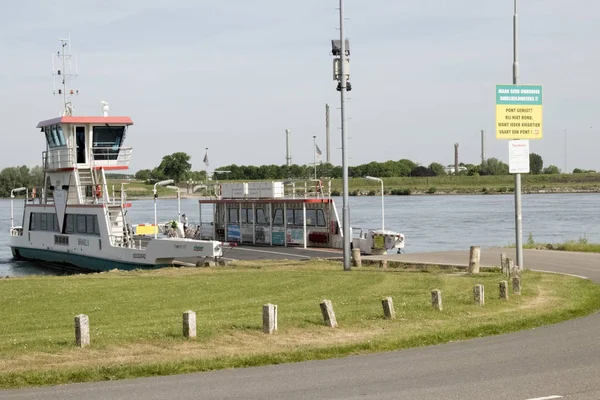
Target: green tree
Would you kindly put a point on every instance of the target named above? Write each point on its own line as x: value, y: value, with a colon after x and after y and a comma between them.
x: 437, y: 169
x: 536, y: 163
x: 551, y: 170
x: 176, y: 166
x: 493, y: 166
x: 143, y: 175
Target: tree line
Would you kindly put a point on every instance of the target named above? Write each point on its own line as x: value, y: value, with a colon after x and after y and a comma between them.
x: 177, y: 166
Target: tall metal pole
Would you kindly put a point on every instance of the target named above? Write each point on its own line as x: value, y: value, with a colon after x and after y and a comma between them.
x: 345, y: 208
x: 327, y: 135
x: 518, y: 211
x: 315, y: 154
x: 482, y: 147
x: 288, y: 148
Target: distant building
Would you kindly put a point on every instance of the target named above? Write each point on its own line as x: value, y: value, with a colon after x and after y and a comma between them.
x: 450, y: 169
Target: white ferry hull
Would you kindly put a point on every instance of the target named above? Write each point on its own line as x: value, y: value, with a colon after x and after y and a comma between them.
x: 91, y: 255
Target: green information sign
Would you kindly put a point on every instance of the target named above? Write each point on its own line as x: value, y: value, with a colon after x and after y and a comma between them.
x: 518, y: 112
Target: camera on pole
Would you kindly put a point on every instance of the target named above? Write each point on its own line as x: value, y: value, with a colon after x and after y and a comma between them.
x: 336, y: 51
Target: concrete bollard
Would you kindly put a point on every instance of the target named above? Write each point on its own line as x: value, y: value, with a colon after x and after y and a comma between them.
x: 510, y: 267
x: 356, y: 260
x: 516, y: 284
x: 479, y: 294
x: 328, y: 314
x: 503, y: 263
x: 383, y: 264
x: 269, y: 318
x: 388, y: 308
x: 503, y: 290
x: 436, y: 299
x: 474, y: 259
x: 82, y: 330
x: 189, y: 324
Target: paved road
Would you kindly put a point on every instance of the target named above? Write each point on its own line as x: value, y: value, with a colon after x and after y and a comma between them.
x: 558, y: 360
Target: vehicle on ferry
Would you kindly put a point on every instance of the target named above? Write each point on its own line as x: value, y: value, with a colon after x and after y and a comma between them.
x: 74, y: 221
x: 299, y: 213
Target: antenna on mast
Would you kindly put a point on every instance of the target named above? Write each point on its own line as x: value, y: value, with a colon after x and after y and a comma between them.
x: 63, y: 74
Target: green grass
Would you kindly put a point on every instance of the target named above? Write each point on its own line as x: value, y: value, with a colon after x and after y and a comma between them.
x: 477, y: 184
x: 581, y: 245
x: 135, y: 317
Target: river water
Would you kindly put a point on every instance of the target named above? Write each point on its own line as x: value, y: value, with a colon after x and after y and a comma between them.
x: 430, y: 223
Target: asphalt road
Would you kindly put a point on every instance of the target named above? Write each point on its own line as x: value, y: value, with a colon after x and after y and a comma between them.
x: 544, y: 363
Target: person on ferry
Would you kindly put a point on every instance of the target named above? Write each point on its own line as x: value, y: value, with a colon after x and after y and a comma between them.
x: 184, y: 221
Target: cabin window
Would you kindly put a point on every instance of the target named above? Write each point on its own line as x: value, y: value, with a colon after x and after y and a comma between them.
x: 233, y: 217
x: 247, y: 216
x: 106, y: 142
x: 298, y: 218
x: 83, y: 224
x: 278, y: 216
x: 55, y: 138
x: 61, y: 135
x: 261, y: 218
x: 48, y: 137
x: 43, y: 222
x: 321, y: 218
x: 290, y: 216
x: 311, y: 217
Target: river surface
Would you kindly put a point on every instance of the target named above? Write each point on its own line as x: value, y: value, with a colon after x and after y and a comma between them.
x: 430, y: 223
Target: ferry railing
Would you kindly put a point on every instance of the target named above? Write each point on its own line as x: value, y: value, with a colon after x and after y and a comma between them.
x: 57, y: 158
x: 112, y: 156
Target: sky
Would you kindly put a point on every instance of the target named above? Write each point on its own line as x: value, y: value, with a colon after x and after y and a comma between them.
x: 232, y: 75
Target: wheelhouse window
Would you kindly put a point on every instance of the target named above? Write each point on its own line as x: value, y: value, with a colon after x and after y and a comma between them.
x: 55, y: 136
x: 106, y: 142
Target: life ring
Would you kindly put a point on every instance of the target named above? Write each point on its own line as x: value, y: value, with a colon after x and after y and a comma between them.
x: 33, y: 193
x: 98, y: 191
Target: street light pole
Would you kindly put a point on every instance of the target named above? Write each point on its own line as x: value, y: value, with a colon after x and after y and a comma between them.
x: 161, y: 183
x: 518, y: 210
x: 343, y: 82
x: 382, y: 200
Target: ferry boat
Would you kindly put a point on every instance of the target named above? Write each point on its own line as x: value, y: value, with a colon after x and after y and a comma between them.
x: 73, y: 220
x: 299, y: 213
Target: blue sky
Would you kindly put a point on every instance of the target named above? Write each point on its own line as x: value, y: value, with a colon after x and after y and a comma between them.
x: 232, y: 75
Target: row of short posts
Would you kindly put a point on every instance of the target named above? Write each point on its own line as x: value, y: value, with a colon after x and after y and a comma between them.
x: 82, y: 323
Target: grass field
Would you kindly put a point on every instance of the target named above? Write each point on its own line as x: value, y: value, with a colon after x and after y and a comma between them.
x: 447, y: 184
x: 136, y: 317
x: 582, y: 245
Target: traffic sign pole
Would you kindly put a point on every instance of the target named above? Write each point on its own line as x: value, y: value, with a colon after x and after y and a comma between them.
x: 518, y: 209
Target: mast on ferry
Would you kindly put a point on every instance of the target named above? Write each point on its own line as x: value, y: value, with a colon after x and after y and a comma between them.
x: 64, y: 74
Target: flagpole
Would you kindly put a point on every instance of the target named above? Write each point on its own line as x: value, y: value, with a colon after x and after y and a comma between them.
x: 315, y: 154
x: 206, y: 168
